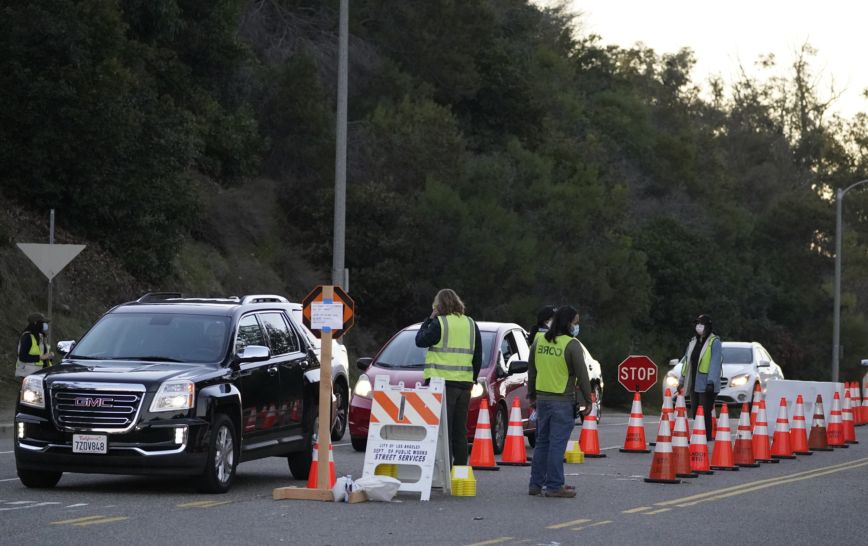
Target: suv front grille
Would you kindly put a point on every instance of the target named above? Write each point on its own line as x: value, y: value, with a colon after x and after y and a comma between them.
x: 108, y: 410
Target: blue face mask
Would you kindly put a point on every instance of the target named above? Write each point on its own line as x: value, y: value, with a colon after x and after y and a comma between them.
x: 574, y: 330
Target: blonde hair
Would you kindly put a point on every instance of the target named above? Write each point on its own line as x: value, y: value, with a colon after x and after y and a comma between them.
x: 447, y: 302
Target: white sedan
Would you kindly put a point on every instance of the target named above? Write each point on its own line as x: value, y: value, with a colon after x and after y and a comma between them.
x: 745, y: 364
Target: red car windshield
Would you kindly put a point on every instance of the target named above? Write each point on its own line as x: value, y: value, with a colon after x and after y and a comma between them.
x: 401, y: 352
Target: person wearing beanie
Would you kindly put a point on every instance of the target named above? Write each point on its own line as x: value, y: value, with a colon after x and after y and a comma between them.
x: 700, y: 374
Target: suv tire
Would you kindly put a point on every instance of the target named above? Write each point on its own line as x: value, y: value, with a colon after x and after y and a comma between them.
x: 499, y: 429
x: 342, y: 408
x: 221, y: 462
x: 37, y: 479
x: 300, y: 461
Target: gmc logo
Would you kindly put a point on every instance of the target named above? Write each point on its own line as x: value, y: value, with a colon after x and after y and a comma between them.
x: 91, y: 402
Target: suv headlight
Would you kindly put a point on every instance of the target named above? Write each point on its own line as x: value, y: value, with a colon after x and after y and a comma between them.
x: 363, y: 387
x: 477, y: 390
x: 32, y: 392
x: 739, y: 380
x: 174, y: 396
x: 670, y: 381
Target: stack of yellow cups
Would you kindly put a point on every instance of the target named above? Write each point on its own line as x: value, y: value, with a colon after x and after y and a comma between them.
x: 384, y: 469
x: 463, y: 482
x: 574, y: 454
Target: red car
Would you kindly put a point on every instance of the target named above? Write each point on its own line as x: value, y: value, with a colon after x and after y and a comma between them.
x: 503, y: 377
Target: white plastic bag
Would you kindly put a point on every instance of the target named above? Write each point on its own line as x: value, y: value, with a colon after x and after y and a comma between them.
x: 378, y: 488
x: 342, y: 488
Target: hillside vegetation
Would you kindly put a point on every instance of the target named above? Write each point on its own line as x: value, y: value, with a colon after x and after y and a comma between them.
x: 494, y: 147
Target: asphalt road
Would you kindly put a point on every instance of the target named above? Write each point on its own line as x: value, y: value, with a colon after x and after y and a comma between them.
x: 819, y: 499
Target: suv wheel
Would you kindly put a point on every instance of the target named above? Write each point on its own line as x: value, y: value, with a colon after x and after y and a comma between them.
x: 220, y: 465
x: 598, y: 395
x: 342, y: 408
x: 498, y: 429
x: 300, y: 461
x: 38, y: 479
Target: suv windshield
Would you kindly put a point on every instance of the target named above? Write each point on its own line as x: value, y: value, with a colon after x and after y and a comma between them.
x: 737, y: 355
x: 156, y: 337
x: 402, y: 352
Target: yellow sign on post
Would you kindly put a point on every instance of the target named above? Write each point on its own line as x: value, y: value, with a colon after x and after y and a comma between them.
x: 328, y: 312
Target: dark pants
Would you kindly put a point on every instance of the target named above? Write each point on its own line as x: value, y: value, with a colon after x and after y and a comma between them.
x: 457, y: 405
x: 707, y: 401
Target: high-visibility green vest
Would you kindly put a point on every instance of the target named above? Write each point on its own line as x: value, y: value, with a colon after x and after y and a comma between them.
x: 704, y: 357
x: 35, y: 350
x: 550, y: 362
x: 452, y: 357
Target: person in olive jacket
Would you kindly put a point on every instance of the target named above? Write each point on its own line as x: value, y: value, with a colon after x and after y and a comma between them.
x: 556, y: 367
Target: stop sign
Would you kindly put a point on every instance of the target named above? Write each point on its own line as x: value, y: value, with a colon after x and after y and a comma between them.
x: 637, y: 373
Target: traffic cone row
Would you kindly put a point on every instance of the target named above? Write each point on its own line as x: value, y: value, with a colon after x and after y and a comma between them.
x: 482, y: 452
x: 514, y: 453
x: 312, y: 479
x: 590, y: 437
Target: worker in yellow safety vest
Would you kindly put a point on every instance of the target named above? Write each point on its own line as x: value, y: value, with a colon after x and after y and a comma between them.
x: 454, y: 353
x: 33, y: 354
x: 700, y: 372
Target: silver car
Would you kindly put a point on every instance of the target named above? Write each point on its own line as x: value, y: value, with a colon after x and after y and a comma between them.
x: 745, y: 365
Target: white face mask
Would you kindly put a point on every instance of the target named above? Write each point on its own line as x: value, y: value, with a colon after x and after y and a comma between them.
x: 44, y: 327
x: 700, y: 329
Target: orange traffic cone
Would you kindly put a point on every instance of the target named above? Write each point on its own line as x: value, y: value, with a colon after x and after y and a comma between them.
x: 590, y: 438
x: 744, y: 440
x: 835, y: 433
x: 761, y: 451
x: 514, y: 453
x: 798, y: 432
x: 714, y: 423
x: 482, y: 452
x: 314, y: 466
x: 666, y: 409
x: 662, y: 465
x: 856, y: 404
x: 818, y: 440
x: 699, y: 445
x: 721, y: 455
x: 754, y: 404
x: 681, y: 446
x: 679, y: 404
x: 781, y: 448
x: 847, y: 412
x: 864, y: 408
x: 635, y: 440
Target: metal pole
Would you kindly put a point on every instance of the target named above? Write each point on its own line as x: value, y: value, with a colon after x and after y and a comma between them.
x: 50, y: 281
x: 341, y: 151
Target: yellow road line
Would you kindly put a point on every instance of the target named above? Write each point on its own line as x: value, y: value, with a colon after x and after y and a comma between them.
x: 568, y: 524
x: 592, y: 525
x: 98, y: 521
x: 76, y: 520
x: 634, y: 510
x: 750, y: 485
x: 492, y: 541
x: 202, y: 504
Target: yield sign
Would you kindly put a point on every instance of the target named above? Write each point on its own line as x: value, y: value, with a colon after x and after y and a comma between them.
x: 50, y: 259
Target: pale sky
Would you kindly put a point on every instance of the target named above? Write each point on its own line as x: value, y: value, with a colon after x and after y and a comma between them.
x: 726, y: 34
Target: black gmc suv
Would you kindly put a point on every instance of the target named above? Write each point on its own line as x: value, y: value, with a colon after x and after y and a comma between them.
x: 167, y: 385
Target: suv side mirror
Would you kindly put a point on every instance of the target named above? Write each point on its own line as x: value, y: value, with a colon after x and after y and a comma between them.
x: 674, y: 362
x: 65, y: 347
x: 254, y: 353
x: 865, y: 362
x: 364, y: 363
x: 763, y: 364
x: 517, y: 366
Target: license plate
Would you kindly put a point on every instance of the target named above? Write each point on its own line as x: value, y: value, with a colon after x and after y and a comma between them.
x: 89, y: 443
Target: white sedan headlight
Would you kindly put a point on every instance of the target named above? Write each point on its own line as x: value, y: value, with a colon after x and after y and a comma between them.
x: 174, y: 396
x: 739, y: 380
x: 670, y: 381
x: 32, y: 392
x: 363, y: 387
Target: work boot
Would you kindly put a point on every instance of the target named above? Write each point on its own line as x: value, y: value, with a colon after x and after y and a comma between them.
x: 563, y: 492
x: 534, y: 491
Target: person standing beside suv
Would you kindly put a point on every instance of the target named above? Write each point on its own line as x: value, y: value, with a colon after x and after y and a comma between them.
x: 700, y: 374
x: 32, y: 352
x: 556, y: 367
x: 454, y: 353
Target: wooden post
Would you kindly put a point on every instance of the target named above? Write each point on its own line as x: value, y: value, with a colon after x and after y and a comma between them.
x: 325, y: 399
